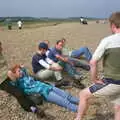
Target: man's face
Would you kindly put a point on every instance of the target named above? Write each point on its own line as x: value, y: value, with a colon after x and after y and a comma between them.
x: 59, y: 46
x: 43, y: 51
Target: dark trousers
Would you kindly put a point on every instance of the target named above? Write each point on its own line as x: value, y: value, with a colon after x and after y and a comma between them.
x: 23, y: 99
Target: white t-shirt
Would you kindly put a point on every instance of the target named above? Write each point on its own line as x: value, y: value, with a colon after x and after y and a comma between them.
x: 19, y: 24
x: 112, y: 41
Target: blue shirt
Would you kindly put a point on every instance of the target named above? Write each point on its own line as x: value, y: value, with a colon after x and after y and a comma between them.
x: 30, y: 86
x: 52, y: 54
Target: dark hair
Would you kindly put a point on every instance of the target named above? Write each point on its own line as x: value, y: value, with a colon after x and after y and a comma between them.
x: 43, y: 45
x: 63, y: 39
x: 115, y: 19
x: 58, y: 41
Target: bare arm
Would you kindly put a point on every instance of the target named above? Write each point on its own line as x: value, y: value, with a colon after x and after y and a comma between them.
x: 94, y: 72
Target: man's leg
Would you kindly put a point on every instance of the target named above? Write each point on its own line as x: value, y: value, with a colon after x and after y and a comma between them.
x: 82, y: 51
x: 78, y: 63
x: 117, y: 112
x: 57, y: 74
x: 83, y: 104
x: 44, y: 74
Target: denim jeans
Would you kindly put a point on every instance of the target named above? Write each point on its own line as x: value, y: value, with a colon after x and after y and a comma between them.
x: 71, y: 70
x: 78, y: 63
x: 62, y: 98
x: 82, y: 51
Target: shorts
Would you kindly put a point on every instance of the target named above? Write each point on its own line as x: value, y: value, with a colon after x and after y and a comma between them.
x: 110, y: 88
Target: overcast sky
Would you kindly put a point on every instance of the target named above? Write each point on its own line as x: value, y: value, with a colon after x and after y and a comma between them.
x: 58, y: 8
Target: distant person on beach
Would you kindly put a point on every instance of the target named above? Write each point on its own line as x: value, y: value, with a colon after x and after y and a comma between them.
x: 29, y: 85
x: 108, y: 86
x: 19, y: 23
x: 8, y: 21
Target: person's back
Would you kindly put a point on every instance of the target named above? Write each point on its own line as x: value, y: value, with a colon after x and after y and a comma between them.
x: 111, y: 64
x: 109, y: 86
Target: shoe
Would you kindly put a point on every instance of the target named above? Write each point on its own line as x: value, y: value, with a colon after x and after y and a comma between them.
x: 77, y: 84
x: 78, y: 77
x: 62, y: 83
x: 86, y: 67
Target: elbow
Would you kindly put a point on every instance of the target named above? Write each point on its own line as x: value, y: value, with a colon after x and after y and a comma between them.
x: 92, y: 63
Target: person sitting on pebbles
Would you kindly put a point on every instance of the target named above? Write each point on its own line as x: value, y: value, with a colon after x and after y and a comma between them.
x: 29, y: 85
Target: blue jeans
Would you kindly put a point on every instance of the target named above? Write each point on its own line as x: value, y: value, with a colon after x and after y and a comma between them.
x: 62, y: 98
x: 82, y: 51
x: 78, y: 63
x: 69, y: 68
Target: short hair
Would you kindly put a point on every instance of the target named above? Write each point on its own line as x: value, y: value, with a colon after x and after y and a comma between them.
x: 63, y: 39
x: 58, y: 41
x: 43, y: 45
x: 115, y: 19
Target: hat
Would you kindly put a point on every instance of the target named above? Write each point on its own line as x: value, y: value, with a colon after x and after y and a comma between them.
x: 43, y: 45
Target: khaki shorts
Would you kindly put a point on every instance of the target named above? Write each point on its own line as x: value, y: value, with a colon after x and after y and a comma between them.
x: 112, y: 91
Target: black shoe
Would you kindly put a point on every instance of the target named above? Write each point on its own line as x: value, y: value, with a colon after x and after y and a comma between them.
x: 86, y: 67
x: 62, y: 83
x: 77, y: 84
x: 83, y: 66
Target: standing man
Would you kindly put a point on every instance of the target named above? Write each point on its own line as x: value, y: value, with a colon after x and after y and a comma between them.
x: 109, y: 86
x: 19, y: 23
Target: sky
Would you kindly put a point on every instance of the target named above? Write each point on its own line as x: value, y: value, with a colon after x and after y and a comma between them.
x: 58, y: 8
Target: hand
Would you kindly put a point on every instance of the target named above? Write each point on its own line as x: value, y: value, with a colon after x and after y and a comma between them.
x: 54, y: 68
x: 22, y: 65
x: 98, y: 81
x: 66, y: 59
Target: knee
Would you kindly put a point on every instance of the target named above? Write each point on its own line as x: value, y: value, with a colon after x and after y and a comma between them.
x: 117, y: 108
x: 85, y: 49
x: 83, y: 95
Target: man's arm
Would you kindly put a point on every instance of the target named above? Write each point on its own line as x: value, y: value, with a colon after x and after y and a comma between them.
x: 93, y: 70
x: 48, y: 66
x: 61, y: 58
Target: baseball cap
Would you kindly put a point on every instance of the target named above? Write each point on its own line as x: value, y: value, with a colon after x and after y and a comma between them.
x: 43, y: 45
